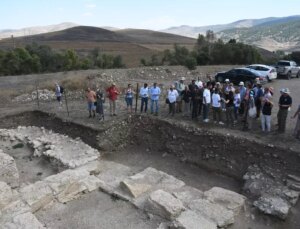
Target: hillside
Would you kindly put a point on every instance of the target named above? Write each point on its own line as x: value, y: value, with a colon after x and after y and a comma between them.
x: 29, y: 31
x: 271, y: 36
x: 131, y: 44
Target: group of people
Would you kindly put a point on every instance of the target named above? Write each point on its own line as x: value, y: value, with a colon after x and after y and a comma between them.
x: 245, y: 103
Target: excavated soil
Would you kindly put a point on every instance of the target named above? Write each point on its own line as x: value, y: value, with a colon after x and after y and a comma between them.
x: 199, y: 157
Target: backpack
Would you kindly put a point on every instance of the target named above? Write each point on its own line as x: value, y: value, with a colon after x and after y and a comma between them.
x: 61, y: 89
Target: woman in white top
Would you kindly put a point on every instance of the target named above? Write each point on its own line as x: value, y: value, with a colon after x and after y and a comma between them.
x: 237, y: 103
x: 172, y: 96
x: 216, y: 107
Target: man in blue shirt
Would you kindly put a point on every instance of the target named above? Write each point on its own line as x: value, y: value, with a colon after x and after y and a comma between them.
x: 154, y: 96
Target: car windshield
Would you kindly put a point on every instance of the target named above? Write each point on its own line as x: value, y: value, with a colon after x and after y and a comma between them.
x: 283, y: 63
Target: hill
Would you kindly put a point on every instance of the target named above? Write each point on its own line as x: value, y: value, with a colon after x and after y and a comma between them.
x: 132, y: 44
x: 275, y: 35
x: 272, y: 33
x: 29, y: 31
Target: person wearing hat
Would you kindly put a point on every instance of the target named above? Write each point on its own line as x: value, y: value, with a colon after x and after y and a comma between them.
x: 112, y: 94
x: 285, y: 102
x: 267, y: 106
x: 179, y: 86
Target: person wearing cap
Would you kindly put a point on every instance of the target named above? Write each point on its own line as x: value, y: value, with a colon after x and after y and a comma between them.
x: 285, y: 102
x: 172, y: 96
x: 154, y: 96
x: 267, y: 106
x: 144, y: 94
x: 179, y: 86
x: 112, y: 94
x: 242, y: 90
x: 226, y: 87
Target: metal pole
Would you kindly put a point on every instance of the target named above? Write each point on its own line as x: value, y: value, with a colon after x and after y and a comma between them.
x: 136, y: 96
x: 37, y: 95
x: 65, y: 95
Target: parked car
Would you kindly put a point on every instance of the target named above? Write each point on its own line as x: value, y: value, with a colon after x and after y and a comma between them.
x: 237, y: 75
x: 267, y: 71
x: 288, y: 69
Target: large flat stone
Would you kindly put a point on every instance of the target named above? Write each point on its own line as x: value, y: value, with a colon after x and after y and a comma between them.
x: 6, y: 195
x: 187, y: 194
x: 8, y: 170
x: 191, y: 220
x: 215, y: 212
x: 37, y: 195
x: 273, y: 205
x: 229, y: 199
x: 149, y: 180
x: 23, y: 221
x: 163, y: 204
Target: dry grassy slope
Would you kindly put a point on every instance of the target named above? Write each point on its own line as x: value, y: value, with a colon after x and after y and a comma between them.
x: 132, y: 44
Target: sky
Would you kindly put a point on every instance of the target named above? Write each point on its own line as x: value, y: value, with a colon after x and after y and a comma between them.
x: 141, y: 14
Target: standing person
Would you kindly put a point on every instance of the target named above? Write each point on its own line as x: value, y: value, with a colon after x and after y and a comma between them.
x: 112, y: 94
x: 285, y: 102
x: 267, y: 106
x: 206, y: 103
x: 216, y: 107
x: 154, y: 93
x: 242, y: 90
x: 258, y: 98
x: 194, y: 90
x: 99, y: 107
x: 200, y: 99
x: 144, y: 94
x: 179, y: 87
x: 229, y: 101
x: 186, y: 98
x: 237, y: 103
x: 58, y: 94
x: 250, y: 105
x: 172, y: 96
x: 297, y: 127
x: 91, y: 99
x: 129, y: 92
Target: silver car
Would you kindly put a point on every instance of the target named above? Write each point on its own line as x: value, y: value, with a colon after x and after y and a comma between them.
x: 266, y: 71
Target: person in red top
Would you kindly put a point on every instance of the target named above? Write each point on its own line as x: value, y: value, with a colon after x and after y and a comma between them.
x: 112, y: 94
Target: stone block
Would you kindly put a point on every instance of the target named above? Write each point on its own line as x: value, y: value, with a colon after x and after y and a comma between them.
x: 6, y: 195
x: 215, y: 212
x: 37, y: 195
x: 163, y: 204
x: 273, y: 205
x: 191, y: 220
x: 228, y: 199
x: 187, y: 194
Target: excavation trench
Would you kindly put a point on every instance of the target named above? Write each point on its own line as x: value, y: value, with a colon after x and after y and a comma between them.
x: 199, y: 157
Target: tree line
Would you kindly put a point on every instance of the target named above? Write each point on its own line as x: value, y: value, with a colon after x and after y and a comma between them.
x: 36, y: 58
x: 208, y: 51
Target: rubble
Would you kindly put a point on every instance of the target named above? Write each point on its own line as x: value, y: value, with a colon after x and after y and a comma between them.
x: 8, y: 170
x: 62, y: 149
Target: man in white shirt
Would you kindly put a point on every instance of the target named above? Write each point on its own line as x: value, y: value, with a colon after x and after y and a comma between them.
x: 172, y: 96
x: 144, y: 94
x: 206, y: 103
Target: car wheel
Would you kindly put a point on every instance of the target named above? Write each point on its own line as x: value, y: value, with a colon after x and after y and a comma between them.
x: 268, y: 79
x: 220, y: 79
x: 289, y: 75
x: 298, y: 75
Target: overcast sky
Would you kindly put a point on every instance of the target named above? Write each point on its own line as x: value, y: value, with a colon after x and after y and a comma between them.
x: 143, y: 14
